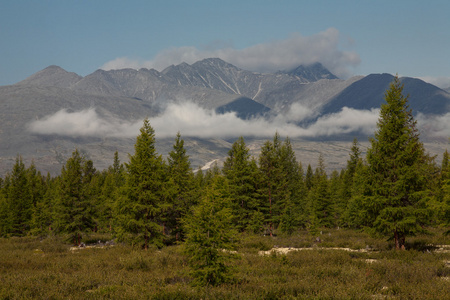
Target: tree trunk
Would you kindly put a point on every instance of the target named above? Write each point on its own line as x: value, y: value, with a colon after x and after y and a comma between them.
x: 399, y: 241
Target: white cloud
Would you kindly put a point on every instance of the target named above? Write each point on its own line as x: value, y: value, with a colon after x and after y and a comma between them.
x: 192, y: 120
x: 436, y: 126
x: 83, y: 123
x: 266, y: 57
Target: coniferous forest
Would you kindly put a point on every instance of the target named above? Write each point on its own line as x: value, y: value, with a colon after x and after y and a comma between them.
x: 389, y: 197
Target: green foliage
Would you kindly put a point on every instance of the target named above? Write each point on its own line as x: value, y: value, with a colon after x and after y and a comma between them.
x: 243, y: 178
x: 394, y: 200
x: 320, y: 205
x: 210, y: 235
x: 44, y: 210
x: 282, y: 184
x: 181, y: 181
x: 144, y: 198
x: 74, y: 210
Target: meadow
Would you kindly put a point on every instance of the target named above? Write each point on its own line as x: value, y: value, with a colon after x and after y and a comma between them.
x: 359, y: 267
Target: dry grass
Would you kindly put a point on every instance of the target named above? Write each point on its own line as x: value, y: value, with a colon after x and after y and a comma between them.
x: 33, y: 269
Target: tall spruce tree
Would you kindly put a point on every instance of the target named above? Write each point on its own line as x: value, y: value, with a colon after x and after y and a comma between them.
x: 44, y: 210
x: 74, y: 211
x: 242, y: 174
x: 144, y: 198
x: 394, y: 201
x: 281, y: 184
x: 347, y: 182
x: 19, y: 200
x: 182, y: 183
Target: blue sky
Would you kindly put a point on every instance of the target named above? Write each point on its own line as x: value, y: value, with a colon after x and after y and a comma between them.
x: 411, y: 38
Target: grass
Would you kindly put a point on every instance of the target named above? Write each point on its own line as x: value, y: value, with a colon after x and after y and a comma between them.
x: 45, y: 269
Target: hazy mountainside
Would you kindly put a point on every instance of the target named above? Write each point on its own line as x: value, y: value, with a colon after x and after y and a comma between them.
x: 128, y: 95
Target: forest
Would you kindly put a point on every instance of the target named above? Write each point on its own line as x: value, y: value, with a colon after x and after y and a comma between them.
x: 397, y: 191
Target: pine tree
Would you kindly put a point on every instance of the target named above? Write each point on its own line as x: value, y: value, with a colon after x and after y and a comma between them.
x: 142, y: 203
x: 210, y: 235
x: 394, y: 202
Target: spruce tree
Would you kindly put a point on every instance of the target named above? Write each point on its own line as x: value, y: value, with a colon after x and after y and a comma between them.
x: 282, y: 184
x: 242, y: 174
x: 395, y: 196
x: 44, y: 211
x: 5, y: 226
x: 347, y: 182
x: 74, y: 211
x: 182, y: 183
x: 210, y: 235
x: 320, y: 205
x: 19, y: 200
x: 143, y: 200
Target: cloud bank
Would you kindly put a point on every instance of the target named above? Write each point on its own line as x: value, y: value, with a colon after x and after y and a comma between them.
x: 273, y: 56
x: 192, y: 120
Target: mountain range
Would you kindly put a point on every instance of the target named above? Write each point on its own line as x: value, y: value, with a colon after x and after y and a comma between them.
x: 35, y: 113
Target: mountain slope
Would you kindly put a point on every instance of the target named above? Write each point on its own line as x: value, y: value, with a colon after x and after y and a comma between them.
x: 368, y: 93
x: 117, y: 97
x: 52, y: 76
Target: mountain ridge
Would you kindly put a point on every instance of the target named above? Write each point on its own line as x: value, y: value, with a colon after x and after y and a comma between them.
x: 126, y: 95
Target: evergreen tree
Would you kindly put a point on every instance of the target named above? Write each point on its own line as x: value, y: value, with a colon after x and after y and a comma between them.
x: 19, y: 200
x: 394, y: 202
x: 242, y: 174
x: 292, y: 203
x: 320, y: 206
x: 182, y: 183
x: 142, y: 203
x: 282, y: 184
x: 347, y: 178
x: 210, y: 236
x: 5, y: 226
x: 270, y: 177
x: 74, y: 210
x: 44, y: 211
x: 309, y: 177
x: 440, y: 204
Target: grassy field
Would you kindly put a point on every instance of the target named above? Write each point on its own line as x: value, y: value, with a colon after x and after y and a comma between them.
x: 47, y: 269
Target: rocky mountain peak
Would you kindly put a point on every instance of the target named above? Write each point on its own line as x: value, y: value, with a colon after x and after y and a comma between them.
x: 214, y: 63
x: 311, y: 73
x: 52, y: 76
